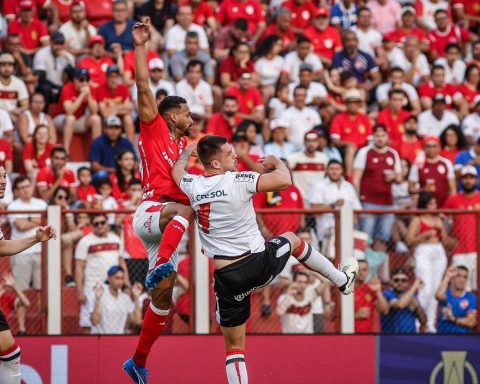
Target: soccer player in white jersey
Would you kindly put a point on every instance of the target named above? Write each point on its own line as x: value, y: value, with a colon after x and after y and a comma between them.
x: 244, y: 262
x: 9, y: 350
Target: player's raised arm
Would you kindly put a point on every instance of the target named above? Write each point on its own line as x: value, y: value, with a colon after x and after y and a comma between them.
x: 147, y: 108
x: 179, y: 168
x: 278, y: 178
x: 12, y: 247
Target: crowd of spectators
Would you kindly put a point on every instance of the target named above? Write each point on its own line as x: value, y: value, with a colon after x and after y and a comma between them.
x: 372, y: 104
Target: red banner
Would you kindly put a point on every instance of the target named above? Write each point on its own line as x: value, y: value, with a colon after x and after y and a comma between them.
x: 200, y: 359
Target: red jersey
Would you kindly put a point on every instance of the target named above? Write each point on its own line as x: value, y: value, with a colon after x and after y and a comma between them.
x: 288, y: 199
x: 440, y: 172
x: 231, y: 10
x: 201, y: 13
x: 117, y: 193
x: 11, y: 8
x: 470, y: 7
x: 394, y: 124
x: 468, y: 94
x: 356, y: 131
x: 64, y: 7
x: 243, y: 167
x: 247, y: 100
x: 6, y: 150
x: 301, y: 14
x: 30, y: 35
x: 158, y: 152
x: 400, y: 34
x: 408, y: 149
x: 129, y: 60
x: 287, y: 37
x: 217, y: 125
x: 374, y: 164
x: 98, y: 11
x: 448, y: 90
x: 464, y: 226
x: 228, y: 66
x: 69, y: 93
x: 364, y: 297
x: 117, y: 96
x: 449, y: 154
x: 325, y: 43
x: 46, y: 177
x: 453, y: 34
x: 86, y: 194
x: 96, y: 68
x: 41, y: 160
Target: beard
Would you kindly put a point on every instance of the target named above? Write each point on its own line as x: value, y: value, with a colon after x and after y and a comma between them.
x: 229, y: 113
x: 411, y: 131
x: 469, y: 189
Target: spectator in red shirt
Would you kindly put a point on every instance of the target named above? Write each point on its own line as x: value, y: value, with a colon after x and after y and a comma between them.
x: 326, y: 40
x: 470, y: 87
x: 350, y: 129
x: 302, y: 13
x: 6, y: 154
x: 283, y: 28
x: 56, y: 175
x: 36, y: 154
x: 33, y: 33
x: 97, y: 62
x: 251, y: 10
x: 452, y: 142
x: 114, y: 100
x: 230, y: 36
x: 225, y: 122
x: 446, y: 33
x: 467, y: 13
x: 250, y: 103
x: 433, y: 173
x: 393, y: 117
x: 247, y: 157
x: 409, y: 144
x: 78, y: 108
x: 377, y: 165
x: 235, y: 65
x: 409, y: 28
x: 465, y: 252
x: 85, y: 191
x: 11, y: 8
x: 124, y: 173
x: 368, y: 298
x: 203, y: 15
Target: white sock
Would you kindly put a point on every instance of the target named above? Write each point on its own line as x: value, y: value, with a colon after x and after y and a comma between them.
x: 313, y: 259
x: 10, y: 367
x: 236, y: 367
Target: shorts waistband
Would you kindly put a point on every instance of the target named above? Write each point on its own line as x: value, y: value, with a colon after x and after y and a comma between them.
x: 223, y: 257
x: 238, y: 264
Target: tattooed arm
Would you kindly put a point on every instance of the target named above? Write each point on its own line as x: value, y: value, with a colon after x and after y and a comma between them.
x: 180, y: 167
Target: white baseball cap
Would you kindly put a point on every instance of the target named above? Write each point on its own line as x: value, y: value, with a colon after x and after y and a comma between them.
x: 278, y: 123
x: 469, y: 170
x: 156, y: 63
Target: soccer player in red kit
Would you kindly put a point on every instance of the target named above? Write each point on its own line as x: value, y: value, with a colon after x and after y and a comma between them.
x: 163, y: 216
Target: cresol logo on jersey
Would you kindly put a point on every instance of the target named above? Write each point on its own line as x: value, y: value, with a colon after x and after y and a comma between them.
x: 433, y: 359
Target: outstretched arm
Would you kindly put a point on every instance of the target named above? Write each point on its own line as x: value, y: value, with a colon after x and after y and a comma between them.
x: 12, y: 247
x: 180, y: 167
x: 147, y: 108
x: 278, y: 178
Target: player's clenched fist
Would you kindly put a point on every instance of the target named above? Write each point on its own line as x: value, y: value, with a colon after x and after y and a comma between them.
x: 141, y: 33
x: 46, y: 233
x: 269, y: 162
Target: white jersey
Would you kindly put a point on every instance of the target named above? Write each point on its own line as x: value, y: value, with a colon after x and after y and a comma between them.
x: 224, y: 212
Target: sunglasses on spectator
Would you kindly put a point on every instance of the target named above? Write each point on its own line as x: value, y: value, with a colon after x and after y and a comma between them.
x: 399, y: 280
x: 82, y: 79
x: 62, y: 197
x: 99, y: 224
x: 431, y: 146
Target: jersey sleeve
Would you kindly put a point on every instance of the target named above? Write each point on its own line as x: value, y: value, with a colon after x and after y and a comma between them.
x: 246, y: 183
x: 81, y: 251
x: 186, y: 183
x: 360, y: 161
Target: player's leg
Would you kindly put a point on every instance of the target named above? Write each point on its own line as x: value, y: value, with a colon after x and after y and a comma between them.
x: 235, y: 349
x: 9, y: 355
x: 343, y: 278
x: 174, y: 221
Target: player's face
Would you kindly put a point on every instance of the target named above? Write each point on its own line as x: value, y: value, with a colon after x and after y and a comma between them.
x: 460, y: 281
x: 228, y: 158
x: 3, y: 181
x: 182, y: 119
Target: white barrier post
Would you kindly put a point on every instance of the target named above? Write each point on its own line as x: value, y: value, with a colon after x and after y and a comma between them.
x: 201, y: 285
x: 346, y: 251
x: 54, y: 272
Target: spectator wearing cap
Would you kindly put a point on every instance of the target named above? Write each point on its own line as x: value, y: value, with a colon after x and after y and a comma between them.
x: 351, y: 129
x: 225, y: 122
x: 229, y: 36
x: 412, y: 61
x: 279, y: 146
x: 11, y: 85
x: 105, y: 148
x: 175, y: 36
x: 196, y: 91
x: 369, y: 38
x: 192, y: 51
x: 308, y: 166
x: 97, y: 61
x: 293, y: 60
x: 386, y: 15
x: 445, y: 33
x: 379, y: 165
x: 465, y: 252
x: 404, y: 308
x: 409, y: 145
x: 344, y: 14
x: 49, y: 64
x: 458, y: 306
x: 433, y: 174
x: 237, y: 63
x: 393, y: 117
x: 325, y: 39
x: 316, y: 92
x: 471, y: 124
x: 77, y: 30
x: 360, y: 63
x: 113, y: 311
x: 33, y: 33
x: 397, y: 81
x: 469, y: 87
x: 250, y: 102
x: 118, y: 30
x: 469, y: 157
x: 453, y: 64
x: 283, y: 29
x: 251, y: 10
x: 408, y: 28
x: 299, y: 117
x: 432, y: 122
x: 114, y: 100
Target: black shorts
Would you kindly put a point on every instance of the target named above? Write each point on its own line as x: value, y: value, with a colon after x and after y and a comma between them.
x: 234, y: 283
x: 3, y: 322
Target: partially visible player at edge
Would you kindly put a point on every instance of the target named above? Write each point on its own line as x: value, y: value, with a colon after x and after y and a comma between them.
x: 244, y: 262
x: 161, y: 220
x: 9, y: 350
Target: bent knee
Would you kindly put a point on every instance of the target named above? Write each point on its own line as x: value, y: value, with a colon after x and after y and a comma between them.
x: 186, y: 212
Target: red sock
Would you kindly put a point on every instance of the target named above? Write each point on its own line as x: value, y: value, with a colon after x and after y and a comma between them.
x: 172, y: 235
x: 153, y: 325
